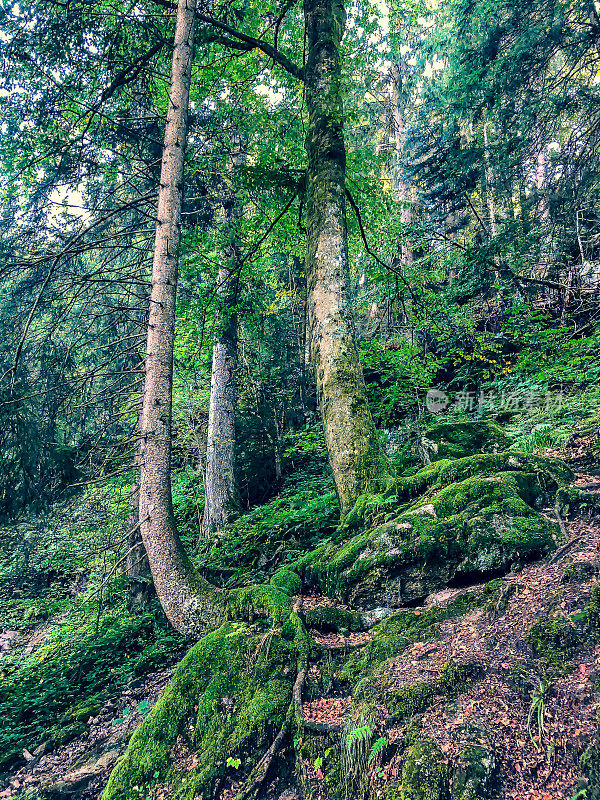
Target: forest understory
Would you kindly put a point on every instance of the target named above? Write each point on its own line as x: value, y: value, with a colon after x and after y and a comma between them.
x: 485, y: 688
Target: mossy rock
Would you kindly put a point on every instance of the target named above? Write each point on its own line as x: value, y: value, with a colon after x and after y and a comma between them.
x: 61, y: 735
x: 409, y: 700
x: 475, y: 515
x: 286, y: 580
x: 425, y: 773
x: 460, y: 439
x: 588, y: 620
x: 228, y: 697
x: 476, y: 774
x: 579, y: 571
x: 570, y: 500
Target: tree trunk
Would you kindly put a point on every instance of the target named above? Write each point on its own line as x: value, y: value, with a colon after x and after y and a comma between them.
x: 403, y: 192
x: 139, y: 588
x: 490, y: 196
x: 222, y: 494
x: 189, y: 602
x: 355, y: 454
x: 222, y: 498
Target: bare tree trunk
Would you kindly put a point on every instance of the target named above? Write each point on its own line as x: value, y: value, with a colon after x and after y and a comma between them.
x: 222, y: 499
x: 489, y: 183
x: 402, y: 190
x: 137, y: 567
x: 490, y: 195
x: 189, y: 602
x: 355, y: 454
x: 543, y: 208
x: 222, y: 493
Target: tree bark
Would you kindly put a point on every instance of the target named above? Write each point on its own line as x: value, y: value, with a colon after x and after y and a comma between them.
x: 222, y: 497
x: 139, y: 588
x: 189, y: 602
x: 357, y: 459
x: 403, y: 192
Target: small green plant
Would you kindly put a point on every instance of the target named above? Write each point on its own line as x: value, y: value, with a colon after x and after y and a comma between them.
x: 376, y: 748
x: 142, y: 707
x: 234, y: 762
x: 580, y: 795
x: 124, y: 716
x: 537, y: 712
x: 319, y: 760
x: 363, y: 733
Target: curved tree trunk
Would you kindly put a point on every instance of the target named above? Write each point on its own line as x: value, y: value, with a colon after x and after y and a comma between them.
x: 355, y: 454
x: 189, y: 602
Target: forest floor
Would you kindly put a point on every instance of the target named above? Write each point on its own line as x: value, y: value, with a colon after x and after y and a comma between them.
x: 534, y: 763
x: 530, y: 769
x: 81, y: 768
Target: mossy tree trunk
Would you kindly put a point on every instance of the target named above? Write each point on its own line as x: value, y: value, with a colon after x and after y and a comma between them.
x: 189, y: 602
x: 355, y: 454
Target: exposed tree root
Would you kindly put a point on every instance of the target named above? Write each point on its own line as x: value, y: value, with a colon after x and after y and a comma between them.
x: 259, y: 773
x: 319, y: 727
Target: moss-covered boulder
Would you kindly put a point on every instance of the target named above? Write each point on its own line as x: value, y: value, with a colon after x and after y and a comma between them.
x: 425, y: 773
x: 475, y: 515
x: 225, y: 703
x: 475, y: 775
x: 460, y: 439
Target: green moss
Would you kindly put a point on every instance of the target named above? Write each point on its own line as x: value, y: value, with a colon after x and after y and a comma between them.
x: 475, y: 775
x: 588, y: 620
x: 229, y: 696
x: 460, y: 439
x: 579, y: 571
x: 570, y: 500
x: 424, y: 775
x: 66, y: 733
x: 393, y: 635
x: 404, y: 703
x: 250, y: 602
x: 286, y: 580
x: 334, y: 619
x: 589, y: 763
x: 547, y: 469
x: 554, y: 642
x: 410, y: 700
x: 479, y: 514
x: 456, y: 678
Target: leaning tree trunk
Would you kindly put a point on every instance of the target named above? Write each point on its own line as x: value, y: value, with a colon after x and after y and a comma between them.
x: 222, y: 495
x: 355, y: 454
x: 188, y: 600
